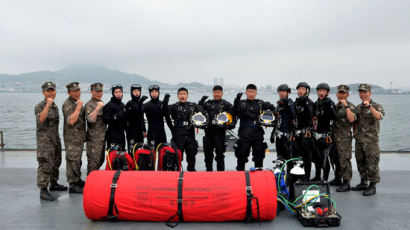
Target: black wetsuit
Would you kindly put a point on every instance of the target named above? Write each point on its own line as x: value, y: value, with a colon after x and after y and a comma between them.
x: 250, y: 132
x: 114, y: 116
x: 183, y: 132
x: 303, y: 133
x: 284, y: 128
x: 154, y: 112
x: 325, y: 112
x: 214, y: 138
x: 135, y: 120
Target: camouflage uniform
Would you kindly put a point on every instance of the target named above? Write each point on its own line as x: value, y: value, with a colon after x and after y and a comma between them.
x: 48, y: 145
x: 367, y: 142
x: 74, y: 137
x: 342, y: 133
x: 95, y: 136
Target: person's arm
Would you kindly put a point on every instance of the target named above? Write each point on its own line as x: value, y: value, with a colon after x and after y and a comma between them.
x: 236, y: 105
x: 202, y: 101
x: 166, y: 111
x: 92, y: 117
x: 377, y: 112
x: 73, y: 118
x: 141, y: 113
x: 44, y: 114
x: 332, y: 110
x: 350, y: 115
x: 108, y: 115
x: 268, y: 106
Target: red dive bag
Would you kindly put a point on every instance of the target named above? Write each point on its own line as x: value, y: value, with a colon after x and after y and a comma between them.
x: 180, y: 196
x: 119, y: 160
x: 169, y: 157
x: 144, y: 157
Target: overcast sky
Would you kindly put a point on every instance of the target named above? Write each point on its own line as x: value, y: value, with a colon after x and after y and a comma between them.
x: 264, y: 42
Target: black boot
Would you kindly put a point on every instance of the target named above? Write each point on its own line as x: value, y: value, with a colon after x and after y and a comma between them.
x: 336, y: 182
x: 345, y: 187
x: 74, y: 188
x: 361, y: 186
x: 54, y: 186
x: 371, y: 190
x: 46, y: 195
x: 220, y: 166
x: 240, y: 165
x: 209, y: 167
x: 81, y: 183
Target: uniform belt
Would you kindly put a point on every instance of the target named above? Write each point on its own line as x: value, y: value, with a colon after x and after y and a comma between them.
x: 279, y: 134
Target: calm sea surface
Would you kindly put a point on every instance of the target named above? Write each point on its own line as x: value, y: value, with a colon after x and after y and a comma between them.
x: 17, y: 120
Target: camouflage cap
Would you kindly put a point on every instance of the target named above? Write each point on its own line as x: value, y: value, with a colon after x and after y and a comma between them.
x: 364, y: 87
x: 73, y: 86
x: 48, y: 85
x: 97, y: 87
x: 343, y: 88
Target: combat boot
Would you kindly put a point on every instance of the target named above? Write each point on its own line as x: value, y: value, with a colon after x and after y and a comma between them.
x: 54, y: 186
x: 361, y: 186
x: 46, y: 195
x: 81, y: 183
x: 74, y: 188
x: 345, y: 187
x: 336, y: 182
x: 371, y: 190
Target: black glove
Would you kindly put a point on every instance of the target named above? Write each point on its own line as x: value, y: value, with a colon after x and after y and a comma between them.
x: 143, y: 98
x: 238, y: 96
x: 203, y: 99
x: 166, y: 99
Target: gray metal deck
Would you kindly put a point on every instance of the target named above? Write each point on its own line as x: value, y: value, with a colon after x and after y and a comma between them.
x: 21, y: 207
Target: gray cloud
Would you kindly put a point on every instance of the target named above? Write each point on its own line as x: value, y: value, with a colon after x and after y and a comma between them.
x: 242, y: 41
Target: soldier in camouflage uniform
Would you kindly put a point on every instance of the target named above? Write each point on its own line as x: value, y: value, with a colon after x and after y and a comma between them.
x: 366, y: 134
x: 74, y: 136
x: 342, y: 136
x: 95, y: 129
x: 48, y: 143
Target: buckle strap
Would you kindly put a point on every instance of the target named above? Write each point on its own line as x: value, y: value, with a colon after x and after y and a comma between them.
x: 249, y: 198
x: 321, y: 135
x: 112, y: 205
x: 179, y: 202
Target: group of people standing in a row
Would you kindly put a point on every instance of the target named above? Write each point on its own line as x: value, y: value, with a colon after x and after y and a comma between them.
x: 313, y: 131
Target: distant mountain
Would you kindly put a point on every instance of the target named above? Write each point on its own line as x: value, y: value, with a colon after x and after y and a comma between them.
x: 85, y: 74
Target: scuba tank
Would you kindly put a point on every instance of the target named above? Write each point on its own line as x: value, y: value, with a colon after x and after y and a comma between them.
x: 280, y: 177
x: 297, y: 173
